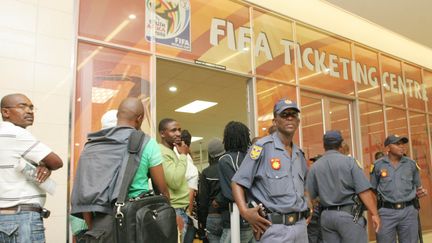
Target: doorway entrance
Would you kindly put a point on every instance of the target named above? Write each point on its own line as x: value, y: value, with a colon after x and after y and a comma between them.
x: 179, y: 84
x: 322, y: 113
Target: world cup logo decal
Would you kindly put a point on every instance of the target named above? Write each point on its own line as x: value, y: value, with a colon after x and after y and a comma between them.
x: 169, y: 22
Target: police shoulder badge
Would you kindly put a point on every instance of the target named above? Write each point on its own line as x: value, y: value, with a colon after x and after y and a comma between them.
x: 255, y: 151
x: 384, y: 173
x: 275, y: 163
x: 372, y: 168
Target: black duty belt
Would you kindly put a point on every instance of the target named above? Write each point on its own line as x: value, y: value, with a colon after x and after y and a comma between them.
x: 288, y: 218
x: 20, y: 208
x: 346, y: 208
x: 399, y: 205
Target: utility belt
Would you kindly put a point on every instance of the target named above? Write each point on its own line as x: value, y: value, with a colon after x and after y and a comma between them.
x: 400, y: 205
x: 45, y: 213
x: 346, y: 208
x: 287, y: 218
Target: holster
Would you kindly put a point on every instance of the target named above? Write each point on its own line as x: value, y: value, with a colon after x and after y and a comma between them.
x: 416, y: 203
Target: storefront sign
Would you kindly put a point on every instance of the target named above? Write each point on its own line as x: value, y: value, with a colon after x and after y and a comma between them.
x: 350, y: 69
x: 172, y: 19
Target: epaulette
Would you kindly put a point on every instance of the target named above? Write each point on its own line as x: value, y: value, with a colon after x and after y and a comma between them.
x: 264, y: 140
x: 372, y: 166
x: 358, y: 163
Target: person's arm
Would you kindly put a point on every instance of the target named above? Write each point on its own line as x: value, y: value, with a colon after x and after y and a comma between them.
x: 52, y: 161
x: 88, y: 218
x: 252, y: 215
x: 369, y: 200
x: 174, y: 171
x: 157, y: 176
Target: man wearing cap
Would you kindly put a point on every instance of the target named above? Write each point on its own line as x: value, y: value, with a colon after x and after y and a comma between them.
x: 209, y: 213
x: 336, y: 179
x: 273, y: 173
x: 396, y: 179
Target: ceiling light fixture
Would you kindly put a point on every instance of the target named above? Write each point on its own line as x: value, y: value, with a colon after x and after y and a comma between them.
x: 196, y: 106
x: 102, y: 95
x: 172, y: 88
x: 194, y: 139
x: 132, y: 16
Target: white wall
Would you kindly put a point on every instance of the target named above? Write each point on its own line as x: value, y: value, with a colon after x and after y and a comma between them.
x: 36, y: 53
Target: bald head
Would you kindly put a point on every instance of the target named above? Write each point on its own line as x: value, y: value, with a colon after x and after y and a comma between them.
x: 130, y: 112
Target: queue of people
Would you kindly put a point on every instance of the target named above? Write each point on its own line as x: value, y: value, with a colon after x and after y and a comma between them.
x: 279, y: 198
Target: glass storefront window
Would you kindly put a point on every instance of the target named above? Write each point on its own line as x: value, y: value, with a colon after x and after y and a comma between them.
x: 368, y: 85
x: 415, y: 91
x: 268, y: 93
x: 392, y: 81
x: 104, y: 78
x: 206, y: 30
x: 420, y: 154
x: 275, y: 57
x: 372, y: 131
x: 312, y: 124
x: 324, y: 61
x: 115, y: 21
x: 427, y: 81
x: 397, y: 122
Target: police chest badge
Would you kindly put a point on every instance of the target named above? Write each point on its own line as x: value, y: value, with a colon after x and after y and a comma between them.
x: 275, y: 163
x: 255, y: 152
x: 384, y: 173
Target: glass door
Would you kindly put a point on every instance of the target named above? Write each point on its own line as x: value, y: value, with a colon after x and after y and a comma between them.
x: 321, y: 113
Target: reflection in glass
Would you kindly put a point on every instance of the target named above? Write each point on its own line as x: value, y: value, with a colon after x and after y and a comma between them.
x: 427, y: 81
x: 397, y: 123
x: 415, y: 91
x: 392, y: 82
x: 339, y: 117
x: 369, y: 83
x: 312, y: 125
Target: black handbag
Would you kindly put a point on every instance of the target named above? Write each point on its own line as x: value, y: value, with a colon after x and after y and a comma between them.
x: 148, y: 218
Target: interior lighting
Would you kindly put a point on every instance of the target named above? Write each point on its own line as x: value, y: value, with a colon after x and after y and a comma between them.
x: 196, y: 106
x: 194, y: 139
x: 102, y: 95
x: 132, y: 16
x: 172, y: 88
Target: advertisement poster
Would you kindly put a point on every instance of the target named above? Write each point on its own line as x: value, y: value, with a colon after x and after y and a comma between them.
x: 170, y: 23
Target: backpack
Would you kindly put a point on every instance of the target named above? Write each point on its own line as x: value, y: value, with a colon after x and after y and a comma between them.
x: 100, y: 170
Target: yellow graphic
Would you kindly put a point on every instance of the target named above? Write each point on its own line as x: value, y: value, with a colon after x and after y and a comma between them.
x: 255, y: 152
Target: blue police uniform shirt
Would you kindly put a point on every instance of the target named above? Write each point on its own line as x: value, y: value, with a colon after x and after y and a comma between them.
x: 335, y: 178
x: 273, y: 177
x: 396, y: 184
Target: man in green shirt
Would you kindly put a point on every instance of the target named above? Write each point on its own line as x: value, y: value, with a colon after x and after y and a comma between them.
x: 175, y: 169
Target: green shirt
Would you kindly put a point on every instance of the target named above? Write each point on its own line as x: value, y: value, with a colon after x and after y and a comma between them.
x: 175, y: 177
x: 151, y: 157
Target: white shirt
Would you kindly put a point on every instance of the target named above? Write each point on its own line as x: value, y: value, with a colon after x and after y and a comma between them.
x: 191, y: 172
x: 16, y: 143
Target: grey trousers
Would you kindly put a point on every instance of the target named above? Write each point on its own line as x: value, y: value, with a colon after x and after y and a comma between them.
x: 402, y: 222
x: 338, y: 227
x: 102, y: 231
x: 287, y: 234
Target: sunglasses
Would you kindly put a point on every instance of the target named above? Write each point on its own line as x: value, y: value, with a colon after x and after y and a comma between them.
x: 286, y: 114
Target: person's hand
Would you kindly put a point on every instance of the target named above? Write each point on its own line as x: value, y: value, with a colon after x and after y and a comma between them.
x: 182, y: 148
x: 256, y: 220
x: 376, y: 222
x: 42, y: 173
x: 421, y: 192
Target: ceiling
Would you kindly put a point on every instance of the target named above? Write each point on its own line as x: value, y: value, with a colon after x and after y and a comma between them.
x: 411, y: 19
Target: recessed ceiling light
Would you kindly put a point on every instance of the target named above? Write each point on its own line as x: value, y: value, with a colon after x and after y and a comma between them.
x: 196, y: 106
x: 172, y: 88
x: 102, y: 95
x: 132, y: 16
x: 194, y: 139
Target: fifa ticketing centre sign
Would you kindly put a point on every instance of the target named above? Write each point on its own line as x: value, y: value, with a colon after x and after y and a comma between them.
x: 337, y: 67
x: 170, y: 22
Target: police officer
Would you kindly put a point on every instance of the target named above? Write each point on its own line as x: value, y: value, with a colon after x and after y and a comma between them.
x: 336, y: 179
x: 273, y: 173
x: 396, y: 179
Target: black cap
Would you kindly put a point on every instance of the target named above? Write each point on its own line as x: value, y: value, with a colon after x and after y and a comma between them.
x: 284, y: 104
x: 332, y: 137
x: 393, y: 138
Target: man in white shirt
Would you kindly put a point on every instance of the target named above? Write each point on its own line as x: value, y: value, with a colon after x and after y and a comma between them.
x: 21, y: 200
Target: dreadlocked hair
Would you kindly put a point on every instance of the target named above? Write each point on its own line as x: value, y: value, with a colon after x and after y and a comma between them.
x: 236, y: 137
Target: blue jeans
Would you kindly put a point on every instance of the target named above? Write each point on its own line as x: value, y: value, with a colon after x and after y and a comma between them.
x: 214, y: 228
x: 246, y: 235
x: 181, y: 212
x: 22, y: 227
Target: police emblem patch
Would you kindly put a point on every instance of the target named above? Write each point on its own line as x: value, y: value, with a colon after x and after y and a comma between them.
x: 384, y: 173
x: 275, y: 163
x: 372, y: 168
x: 255, y: 151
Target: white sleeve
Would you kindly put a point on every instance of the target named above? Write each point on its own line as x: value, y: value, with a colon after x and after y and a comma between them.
x: 31, y: 148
